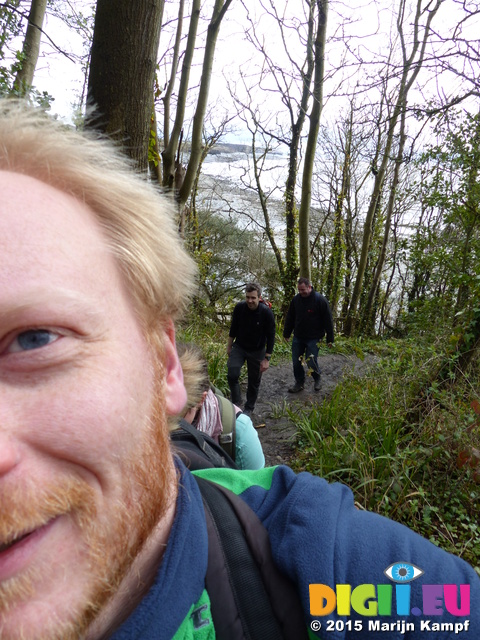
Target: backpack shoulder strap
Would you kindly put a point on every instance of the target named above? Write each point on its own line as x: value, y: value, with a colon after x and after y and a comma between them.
x: 197, y: 450
x: 228, y: 416
x: 249, y: 596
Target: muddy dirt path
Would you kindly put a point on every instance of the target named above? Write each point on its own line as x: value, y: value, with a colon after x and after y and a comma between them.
x: 278, y: 435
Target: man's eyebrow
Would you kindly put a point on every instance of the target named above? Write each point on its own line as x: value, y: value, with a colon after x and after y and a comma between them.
x: 64, y: 300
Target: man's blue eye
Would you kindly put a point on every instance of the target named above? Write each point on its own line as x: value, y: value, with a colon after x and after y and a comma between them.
x: 34, y: 339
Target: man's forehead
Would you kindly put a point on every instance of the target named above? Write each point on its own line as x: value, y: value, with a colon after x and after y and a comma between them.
x: 30, y: 207
x: 50, y: 242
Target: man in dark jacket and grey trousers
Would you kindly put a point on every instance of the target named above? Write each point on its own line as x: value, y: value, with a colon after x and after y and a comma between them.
x: 251, y: 339
x: 310, y: 318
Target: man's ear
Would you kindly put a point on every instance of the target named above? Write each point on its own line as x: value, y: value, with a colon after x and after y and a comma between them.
x: 174, y: 389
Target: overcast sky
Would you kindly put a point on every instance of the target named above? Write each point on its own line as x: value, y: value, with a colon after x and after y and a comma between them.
x: 366, y: 22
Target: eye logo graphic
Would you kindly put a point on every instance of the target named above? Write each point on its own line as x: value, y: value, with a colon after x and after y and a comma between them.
x: 402, y: 572
x: 388, y: 599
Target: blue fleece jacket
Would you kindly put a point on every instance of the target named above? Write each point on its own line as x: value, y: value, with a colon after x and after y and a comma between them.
x: 318, y: 537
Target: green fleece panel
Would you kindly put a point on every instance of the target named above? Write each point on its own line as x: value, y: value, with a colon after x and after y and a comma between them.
x: 238, y: 481
x: 198, y: 624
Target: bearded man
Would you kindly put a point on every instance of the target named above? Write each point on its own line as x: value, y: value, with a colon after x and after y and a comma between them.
x: 89, y: 374
x: 102, y: 528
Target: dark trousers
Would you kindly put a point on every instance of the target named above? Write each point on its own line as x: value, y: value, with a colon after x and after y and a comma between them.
x: 309, y: 350
x: 236, y: 360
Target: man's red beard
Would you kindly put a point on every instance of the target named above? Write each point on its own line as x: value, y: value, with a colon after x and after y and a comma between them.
x: 111, y: 541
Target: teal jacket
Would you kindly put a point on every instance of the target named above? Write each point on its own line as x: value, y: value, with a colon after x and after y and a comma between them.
x: 248, y: 449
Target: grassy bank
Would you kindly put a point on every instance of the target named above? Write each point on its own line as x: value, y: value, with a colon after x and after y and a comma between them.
x: 407, y: 448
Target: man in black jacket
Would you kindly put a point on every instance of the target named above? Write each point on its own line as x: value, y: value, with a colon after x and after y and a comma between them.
x: 251, y: 339
x: 310, y: 318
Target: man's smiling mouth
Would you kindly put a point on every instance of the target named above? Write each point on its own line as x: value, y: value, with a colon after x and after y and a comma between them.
x: 17, y: 539
x: 8, y: 545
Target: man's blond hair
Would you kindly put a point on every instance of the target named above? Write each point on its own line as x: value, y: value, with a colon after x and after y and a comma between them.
x: 137, y: 221
x: 195, y: 373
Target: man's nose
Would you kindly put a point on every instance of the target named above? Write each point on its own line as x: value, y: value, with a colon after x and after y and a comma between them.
x: 9, y: 454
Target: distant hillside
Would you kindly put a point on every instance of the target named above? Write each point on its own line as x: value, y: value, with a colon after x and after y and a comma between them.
x: 225, y: 147
x: 230, y: 148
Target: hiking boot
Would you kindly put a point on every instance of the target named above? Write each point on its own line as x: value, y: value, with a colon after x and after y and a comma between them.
x: 298, y: 386
x: 317, y: 385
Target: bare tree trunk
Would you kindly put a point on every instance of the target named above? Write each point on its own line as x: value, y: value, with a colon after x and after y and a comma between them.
x: 349, y: 253
x: 367, y: 238
x: 194, y: 240
x: 122, y: 72
x: 297, y: 122
x: 472, y: 216
x: 411, y: 67
x: 334, y: 271
x: 268, y: 227
x: 304, y: 212
x: 31, y: 47
x: 388, y: 220
x: 171, y: 83
x: 220, y: 8
x: 170, y: 150
x: 154, y: 159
